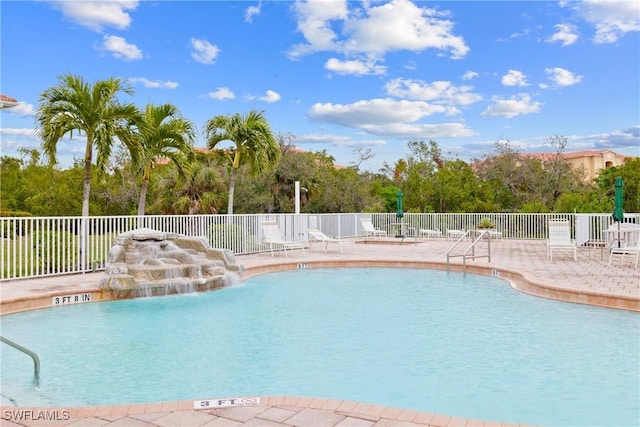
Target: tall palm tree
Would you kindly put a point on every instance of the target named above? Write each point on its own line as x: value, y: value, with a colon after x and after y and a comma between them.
x: 196, y: 193
x: 254, y: 142
x: 164, y: 134
x: 75, y: 105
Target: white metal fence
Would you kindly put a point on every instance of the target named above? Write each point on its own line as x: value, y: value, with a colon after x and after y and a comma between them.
x: 37, y: 247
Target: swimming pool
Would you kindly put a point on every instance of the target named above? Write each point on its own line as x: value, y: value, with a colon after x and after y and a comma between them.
x: 441, y: 342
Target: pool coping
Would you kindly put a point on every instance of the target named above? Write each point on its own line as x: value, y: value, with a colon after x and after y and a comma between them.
x: 523, y: 281
x: 520, y: 281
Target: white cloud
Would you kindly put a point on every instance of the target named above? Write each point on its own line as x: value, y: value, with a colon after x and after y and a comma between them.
x: 566, y: 34
x: 374, y: 111
x: 221, y: 93
x: 469, y: 75
x: 22, y: 132
x: 389, y: 118
x: 402, y: 25
x: 335, y: 140
x: 441, y: 92
x: 22, y: 109
x: 358, y: 68
x: 562, y: 77
x: 270, y: 97
x: 420, y: 131
x: 411, y: 65
x: 515, y: 106
x: 252, y: 11
x: 203, y: 51
x: 120, y: 49
x: 514, y: 78
x: 374, y: 30
x: 96, y: 15
x: 612, y: 19
x: 153, y: 84
x: 617, y: 139
x: 314, y: 22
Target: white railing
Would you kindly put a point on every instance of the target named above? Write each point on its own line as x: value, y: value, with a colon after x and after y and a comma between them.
x: 44, y: 246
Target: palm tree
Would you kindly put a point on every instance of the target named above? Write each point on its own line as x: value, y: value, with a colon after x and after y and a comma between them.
x: 254, y: 142
x: 195, y: 193
x: 75, y: 105
x: 164, y: 134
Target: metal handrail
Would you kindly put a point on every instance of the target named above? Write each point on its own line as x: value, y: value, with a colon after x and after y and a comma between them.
x: 36, y: 359
x: 464, y: 255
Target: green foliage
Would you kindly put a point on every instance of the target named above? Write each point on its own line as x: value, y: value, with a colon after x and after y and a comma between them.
x: 93, y: 109
x: 389, y: 196
x: 254, y: 142
x: 267, y: 167
x: 630, y: 174
x: 534, y: 207
x: 55, y: 249
x: 163, y: 134
x: 485, y: 223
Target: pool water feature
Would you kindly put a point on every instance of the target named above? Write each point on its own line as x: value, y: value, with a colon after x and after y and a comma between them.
x: 464, y: 345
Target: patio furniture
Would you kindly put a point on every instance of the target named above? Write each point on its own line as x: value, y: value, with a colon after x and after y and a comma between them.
x: 430, y: 234
x: 495, y: 234
x: 455, y: 234
x: 370, y: 230
x: 624, y: 250
x: 316, y: 235
x: 271, y: 235
x: 560, y: 238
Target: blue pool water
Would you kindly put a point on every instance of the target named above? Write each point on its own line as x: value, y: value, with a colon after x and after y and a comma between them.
x: 463, y: 345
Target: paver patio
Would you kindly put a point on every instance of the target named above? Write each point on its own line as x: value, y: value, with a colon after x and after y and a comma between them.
x: 588, y: 280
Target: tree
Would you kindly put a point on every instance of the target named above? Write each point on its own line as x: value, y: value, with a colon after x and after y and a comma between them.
x: 164, y: 134
x: 254, y: 142
x: 196, y: 193
x: 75, y: 105
x: 630, y: 174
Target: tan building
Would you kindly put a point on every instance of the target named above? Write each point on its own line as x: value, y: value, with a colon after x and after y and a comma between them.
x: 592, y: 161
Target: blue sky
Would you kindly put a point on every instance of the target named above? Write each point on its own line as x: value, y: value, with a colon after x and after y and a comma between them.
x: 342, y: 76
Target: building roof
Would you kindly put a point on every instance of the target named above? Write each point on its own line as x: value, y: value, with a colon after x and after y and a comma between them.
x: 7, y: 102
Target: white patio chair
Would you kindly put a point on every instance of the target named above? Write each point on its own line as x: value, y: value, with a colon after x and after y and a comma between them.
x: 455, y: 234
x: 370, y: 230
x: 316, y: 235
x: 626, y: 249
x: 271, y: 235
x: 495, y: 234
x: 428, y: 233
x: 560, y: 238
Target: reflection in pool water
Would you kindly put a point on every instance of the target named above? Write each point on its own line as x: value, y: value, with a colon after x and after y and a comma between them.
x: 451, y: 343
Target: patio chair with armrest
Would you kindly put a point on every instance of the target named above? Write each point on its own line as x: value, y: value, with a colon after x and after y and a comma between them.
x: 316, y: 235
x: 271, y: 236
x: 370, y: 230
x: 560, y: 238
x: 428, y: 233
x: 627, y: 248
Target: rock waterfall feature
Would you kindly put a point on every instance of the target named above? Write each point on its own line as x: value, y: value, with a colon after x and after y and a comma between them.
x: 146, y: 262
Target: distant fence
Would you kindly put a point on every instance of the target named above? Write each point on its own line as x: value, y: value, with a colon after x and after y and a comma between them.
x: 45, y: 246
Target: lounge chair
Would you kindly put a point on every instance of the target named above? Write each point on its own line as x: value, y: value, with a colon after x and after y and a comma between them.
x: 370, y: 230
x: 316, y: 235
x: 428, y: 233
x: 271, y: 235
x: 626, y: 249
x: 560, y: 238
x: 455, y: 234
x: 495, y: 234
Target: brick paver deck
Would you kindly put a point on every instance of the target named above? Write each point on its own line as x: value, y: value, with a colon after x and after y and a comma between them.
x: 588, y: 280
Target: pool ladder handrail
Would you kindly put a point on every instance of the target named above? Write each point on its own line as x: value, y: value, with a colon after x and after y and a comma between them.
x: 465, y: 255
x: 36, y: 359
